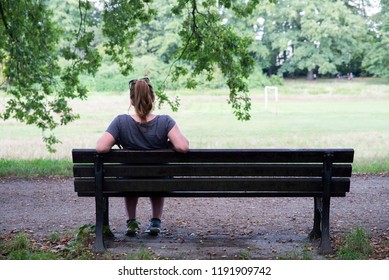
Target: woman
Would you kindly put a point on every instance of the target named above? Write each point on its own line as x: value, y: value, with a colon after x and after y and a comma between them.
x: 143, y: 130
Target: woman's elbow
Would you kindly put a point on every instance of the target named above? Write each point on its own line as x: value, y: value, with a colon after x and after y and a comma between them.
x: 102, y: 150
x: 182, y: 147
x: 101, y: 147
x: 105, y: 143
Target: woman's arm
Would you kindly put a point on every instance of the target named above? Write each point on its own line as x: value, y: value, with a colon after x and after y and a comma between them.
x: 105, y: 143
x: 179, y: 141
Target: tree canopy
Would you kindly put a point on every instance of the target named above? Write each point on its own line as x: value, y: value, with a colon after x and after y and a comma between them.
x: 46, y: 47
x: 376, y: 60
x: 313, y: 35
x: 40, y: 77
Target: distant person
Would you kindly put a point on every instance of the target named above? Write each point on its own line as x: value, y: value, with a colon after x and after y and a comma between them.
x: 143, y: 131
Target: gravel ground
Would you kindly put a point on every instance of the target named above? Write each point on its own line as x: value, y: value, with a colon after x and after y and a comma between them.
x: 197, y: 228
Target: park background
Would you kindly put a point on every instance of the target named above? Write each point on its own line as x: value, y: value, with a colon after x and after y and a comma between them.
x: 328, y: 59
x: 306, y: 49
x: 324, y: 113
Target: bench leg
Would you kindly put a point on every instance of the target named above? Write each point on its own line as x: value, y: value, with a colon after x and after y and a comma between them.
x: 99, y: 241
x: 106, y: 229
x: 102, y: 225
x: 316, y: 231
x: 325, y: 243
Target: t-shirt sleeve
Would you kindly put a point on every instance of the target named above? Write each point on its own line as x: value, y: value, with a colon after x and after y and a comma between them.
x: 114, y: 128
x: 169, y: 123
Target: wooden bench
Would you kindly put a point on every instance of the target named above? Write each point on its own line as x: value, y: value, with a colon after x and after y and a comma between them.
x: 317, y: 173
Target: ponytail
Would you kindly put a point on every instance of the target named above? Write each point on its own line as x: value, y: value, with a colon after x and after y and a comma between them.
x: 142, y: 96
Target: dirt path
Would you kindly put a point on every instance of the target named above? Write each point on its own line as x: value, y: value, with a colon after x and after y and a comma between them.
x: 197, y: 228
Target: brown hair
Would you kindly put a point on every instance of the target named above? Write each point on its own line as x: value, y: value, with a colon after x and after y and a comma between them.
x: 142, y: 96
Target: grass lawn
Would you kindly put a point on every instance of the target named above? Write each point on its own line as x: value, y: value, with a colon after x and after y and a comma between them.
x: 309, y: 114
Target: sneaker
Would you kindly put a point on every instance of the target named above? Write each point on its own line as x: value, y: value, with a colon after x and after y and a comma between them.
x: 132, y: 227
x: 154, y: 227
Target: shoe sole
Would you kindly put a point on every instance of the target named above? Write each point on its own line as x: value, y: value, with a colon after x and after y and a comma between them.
x: 130, y: 233
x: 153, y: 231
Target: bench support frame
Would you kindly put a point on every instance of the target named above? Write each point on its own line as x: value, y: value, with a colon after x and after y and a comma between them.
x: 321, y: 220
x: 102, y: 209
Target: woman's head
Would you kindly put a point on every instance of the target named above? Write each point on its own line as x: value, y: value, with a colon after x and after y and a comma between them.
x: 142, y: 97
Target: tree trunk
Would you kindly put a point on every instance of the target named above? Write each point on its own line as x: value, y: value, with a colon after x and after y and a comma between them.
x: 310, y: 75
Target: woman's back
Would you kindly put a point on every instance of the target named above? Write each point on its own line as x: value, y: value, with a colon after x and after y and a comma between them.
x: 132, y: 134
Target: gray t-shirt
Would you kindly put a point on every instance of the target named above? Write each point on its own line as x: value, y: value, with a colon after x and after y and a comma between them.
x: 133, y: 135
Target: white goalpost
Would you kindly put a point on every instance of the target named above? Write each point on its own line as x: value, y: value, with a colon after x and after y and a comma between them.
x: 268, y: 91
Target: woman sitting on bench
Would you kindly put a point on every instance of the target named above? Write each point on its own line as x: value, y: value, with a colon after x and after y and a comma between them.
x: 143, y: 131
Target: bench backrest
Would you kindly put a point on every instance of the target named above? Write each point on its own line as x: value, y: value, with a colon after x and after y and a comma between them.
x: 214, y: 172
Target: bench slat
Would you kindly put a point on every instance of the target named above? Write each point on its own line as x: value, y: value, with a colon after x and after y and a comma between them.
x: 213, y: 184
x: 216, y: 156
x: 314, y: 170
x: 214, y: 194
